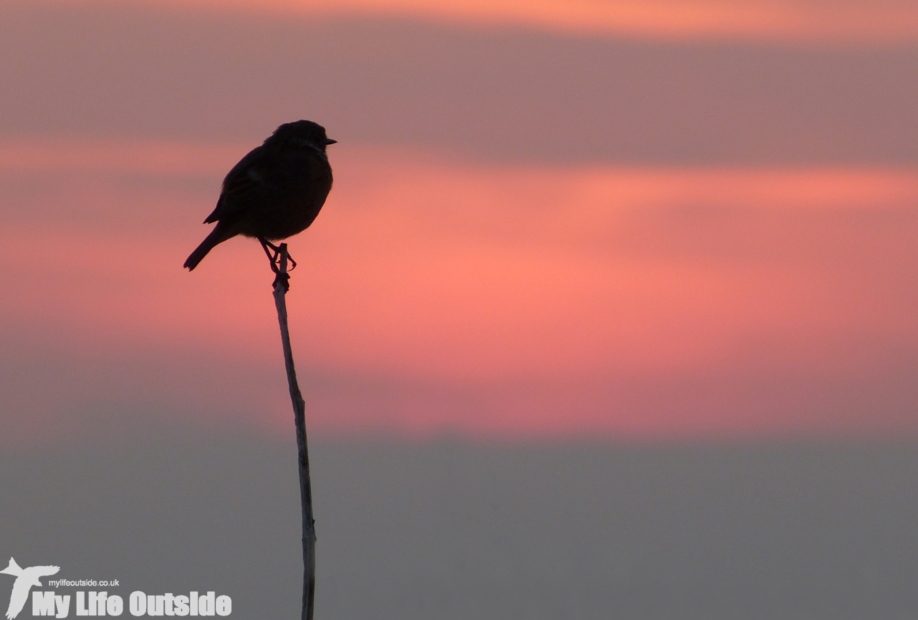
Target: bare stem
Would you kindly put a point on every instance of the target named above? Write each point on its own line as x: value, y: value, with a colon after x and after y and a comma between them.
x: 299, y: 417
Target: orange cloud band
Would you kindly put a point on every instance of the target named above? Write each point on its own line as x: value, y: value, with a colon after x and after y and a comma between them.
x: 846, y: 20
x: 452, y: 270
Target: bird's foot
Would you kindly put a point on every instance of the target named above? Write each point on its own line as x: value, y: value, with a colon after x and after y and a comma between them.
x: 278, y: 256
x: 275, y: 255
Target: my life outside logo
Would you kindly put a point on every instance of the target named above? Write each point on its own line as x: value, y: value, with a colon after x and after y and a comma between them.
x: 100, y: 602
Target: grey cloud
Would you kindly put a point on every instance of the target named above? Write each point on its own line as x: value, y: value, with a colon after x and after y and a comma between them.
x: 488, y: 94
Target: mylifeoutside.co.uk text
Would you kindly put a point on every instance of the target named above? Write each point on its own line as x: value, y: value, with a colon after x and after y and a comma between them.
x: 139, y: 604
x: 83, y: 583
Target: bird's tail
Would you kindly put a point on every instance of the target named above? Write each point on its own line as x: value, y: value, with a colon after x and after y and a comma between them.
x: 217, y: 235
x: 12, y: 569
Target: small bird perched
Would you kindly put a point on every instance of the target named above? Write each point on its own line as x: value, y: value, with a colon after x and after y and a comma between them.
x: 274, y: 192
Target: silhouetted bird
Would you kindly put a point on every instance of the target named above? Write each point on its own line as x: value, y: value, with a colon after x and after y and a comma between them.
x: 274, y: 192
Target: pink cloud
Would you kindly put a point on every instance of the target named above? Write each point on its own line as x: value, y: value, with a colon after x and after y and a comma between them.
x: 484, y: 299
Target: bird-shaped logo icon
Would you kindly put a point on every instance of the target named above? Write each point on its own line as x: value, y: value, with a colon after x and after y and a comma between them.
x: 25, y: 579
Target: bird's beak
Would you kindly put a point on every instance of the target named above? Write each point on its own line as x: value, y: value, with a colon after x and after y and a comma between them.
x: 330, y: 141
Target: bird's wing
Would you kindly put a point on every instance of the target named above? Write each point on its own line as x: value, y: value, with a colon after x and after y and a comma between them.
x: 12, y: 568
x: 44, y: 571
x: 243, y: 185
x: 18, y: 598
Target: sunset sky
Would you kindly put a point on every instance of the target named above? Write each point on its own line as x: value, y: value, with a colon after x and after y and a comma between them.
x: 551, y: 219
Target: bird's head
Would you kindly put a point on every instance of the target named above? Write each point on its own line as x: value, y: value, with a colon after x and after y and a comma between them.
x: 304, y: 131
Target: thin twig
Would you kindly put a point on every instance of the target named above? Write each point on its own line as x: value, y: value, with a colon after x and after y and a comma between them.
x: 299, y: 416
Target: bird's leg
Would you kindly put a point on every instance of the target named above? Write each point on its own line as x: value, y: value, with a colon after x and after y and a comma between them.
x: 273, y: 253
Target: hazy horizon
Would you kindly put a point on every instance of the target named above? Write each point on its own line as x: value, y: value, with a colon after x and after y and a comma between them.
x: 452, y: 528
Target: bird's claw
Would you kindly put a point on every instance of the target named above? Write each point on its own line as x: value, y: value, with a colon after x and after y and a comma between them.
x: 275, y: 254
